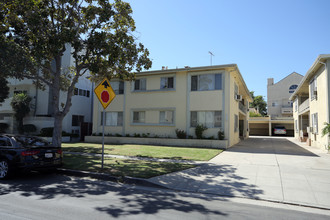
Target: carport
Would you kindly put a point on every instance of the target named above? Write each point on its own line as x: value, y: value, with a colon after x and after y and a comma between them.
x: 264, y: 126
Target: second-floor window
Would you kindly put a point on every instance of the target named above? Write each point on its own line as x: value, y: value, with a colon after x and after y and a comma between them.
x: 140, y: 85
x: 206, y: 82
x: 313, y: 89
x: 167, y: 83
x: 81, y: 92
x: 118, y: 87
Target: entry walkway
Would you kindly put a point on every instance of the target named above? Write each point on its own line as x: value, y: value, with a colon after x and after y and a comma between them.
x: 267, y: 168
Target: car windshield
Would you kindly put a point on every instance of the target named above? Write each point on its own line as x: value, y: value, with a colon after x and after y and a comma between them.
x: 30, y: 141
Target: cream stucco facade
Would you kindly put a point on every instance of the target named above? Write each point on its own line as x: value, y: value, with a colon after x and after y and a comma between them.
x: 311, y: 104
x: 159, y: 102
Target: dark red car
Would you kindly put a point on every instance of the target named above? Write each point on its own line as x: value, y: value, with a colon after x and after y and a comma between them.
x: 20, y: 152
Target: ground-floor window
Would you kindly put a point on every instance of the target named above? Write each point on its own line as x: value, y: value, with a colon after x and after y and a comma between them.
x: 166, y: 117
x: 139, y: 117
x: 112, y: 118
x: 296, y: 125
x: 236, y: 124
x: 210, y: 119
x: 315, y: 123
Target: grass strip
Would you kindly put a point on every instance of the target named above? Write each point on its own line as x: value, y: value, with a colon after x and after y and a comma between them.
x: 178, y: 153
x: 120, y: 167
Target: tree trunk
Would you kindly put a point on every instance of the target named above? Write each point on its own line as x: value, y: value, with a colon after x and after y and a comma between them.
x: 57, y: 133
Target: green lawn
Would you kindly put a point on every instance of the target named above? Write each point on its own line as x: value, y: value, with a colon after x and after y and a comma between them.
x: 118, y: 167
x: 198, y: 154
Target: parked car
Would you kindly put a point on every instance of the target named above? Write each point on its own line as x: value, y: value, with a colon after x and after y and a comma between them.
x: 19, y: 152
x: 279, y: 130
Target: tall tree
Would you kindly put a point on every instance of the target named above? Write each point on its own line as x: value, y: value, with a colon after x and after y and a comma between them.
x: 259, y: 103
x: 21, y: 106
x: 100, y: 33
x: 4, y: 89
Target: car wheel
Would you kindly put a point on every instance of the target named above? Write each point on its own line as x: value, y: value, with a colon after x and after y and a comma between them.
x: 4, y: 169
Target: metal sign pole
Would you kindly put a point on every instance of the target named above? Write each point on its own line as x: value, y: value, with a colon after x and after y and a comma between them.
x: 103, y: 122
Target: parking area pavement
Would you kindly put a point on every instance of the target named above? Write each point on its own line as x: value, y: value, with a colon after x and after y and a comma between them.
x: 269, y: 168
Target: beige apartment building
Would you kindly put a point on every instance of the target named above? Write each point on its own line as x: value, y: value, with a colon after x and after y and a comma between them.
x: 159, y: 102
x: 311, y: 104
x: 279, y: 106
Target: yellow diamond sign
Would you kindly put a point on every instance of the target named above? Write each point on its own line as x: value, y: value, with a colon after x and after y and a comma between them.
x: 105, y: 93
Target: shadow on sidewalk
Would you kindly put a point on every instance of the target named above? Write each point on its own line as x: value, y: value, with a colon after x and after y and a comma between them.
x: 211, y: 178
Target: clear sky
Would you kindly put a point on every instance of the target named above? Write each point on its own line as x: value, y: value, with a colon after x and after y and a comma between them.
x: 265, y: 38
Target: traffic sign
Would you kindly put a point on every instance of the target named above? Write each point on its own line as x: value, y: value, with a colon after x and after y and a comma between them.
x: 104, y: 93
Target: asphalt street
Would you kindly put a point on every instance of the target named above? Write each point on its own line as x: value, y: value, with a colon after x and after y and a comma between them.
x: 55, y: 196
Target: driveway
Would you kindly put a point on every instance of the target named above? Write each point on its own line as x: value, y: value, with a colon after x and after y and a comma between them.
x: 267, y: 168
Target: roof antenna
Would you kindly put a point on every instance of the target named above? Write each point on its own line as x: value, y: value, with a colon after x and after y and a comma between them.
x: 211, y: 55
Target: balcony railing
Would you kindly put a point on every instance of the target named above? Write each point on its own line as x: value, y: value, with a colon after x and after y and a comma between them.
x: 242, y: 107
x: 303, y: 107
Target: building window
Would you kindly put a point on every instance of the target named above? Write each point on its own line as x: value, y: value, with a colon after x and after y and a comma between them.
x: 167, y: 83
x: 209, y: 119
x: 166, y: 117
x: 273, y: 104
x: 139, y: 117
x: 292, y: 88
x: 112, y: 118
x: 118, y: 87
x: 77, y: 120
x: 236, y: 124
x: 315, y: 123
x: 140, y: 85
x: 313, y: 89
x: 206, y: 82
x: 296, y: 105
x: 75, y: 92
x: 81, y: 92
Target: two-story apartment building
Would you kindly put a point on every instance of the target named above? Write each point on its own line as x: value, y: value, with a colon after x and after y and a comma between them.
x: 159, y: 102
x: 311, y: 104
x: 278, y: 95
x: 40, y: 107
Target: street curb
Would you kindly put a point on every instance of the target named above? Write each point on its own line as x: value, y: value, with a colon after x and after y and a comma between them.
x: 107, y: 177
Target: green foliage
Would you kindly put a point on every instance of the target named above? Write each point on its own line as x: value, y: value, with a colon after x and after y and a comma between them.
x: 259, y: 103
x: 29, y: 128
x: 326, y: 129
x: 199, y: 131
x: 99, y: 34
x: 3, y: 127
x: 4, y: 89
x: 254, y: 114
x: 181, y: 134
x: 221, y: 135
x: 21, y: 106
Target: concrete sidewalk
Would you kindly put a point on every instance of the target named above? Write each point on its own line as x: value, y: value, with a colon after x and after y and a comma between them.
x: 266, y: 168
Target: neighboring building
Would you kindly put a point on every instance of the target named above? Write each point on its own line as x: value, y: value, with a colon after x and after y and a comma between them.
x: 278, y: 94
x: 159, y: 102
x: 311, y: 104
x: 279, y: 107
x: 41, y: 110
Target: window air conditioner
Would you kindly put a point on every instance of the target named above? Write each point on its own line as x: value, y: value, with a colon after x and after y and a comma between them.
x: 238, y: 97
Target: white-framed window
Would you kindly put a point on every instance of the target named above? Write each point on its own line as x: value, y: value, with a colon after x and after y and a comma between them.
x: 139, y: 116
x: 167, y: 82
x: 236, y: 124
x: 112, y: 118
x: 166, y: 117
x: 210, y: 119
x: 118, y: 87
x: 81, y: 92
x: 206, y: 82
x: 313, y: 88
x: 315, y: 123
x: 140, y: 85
